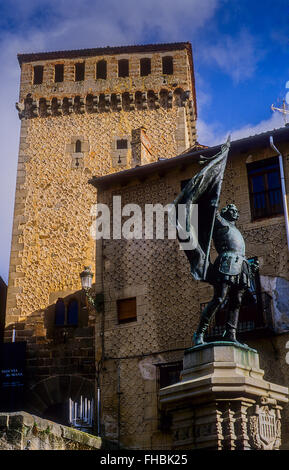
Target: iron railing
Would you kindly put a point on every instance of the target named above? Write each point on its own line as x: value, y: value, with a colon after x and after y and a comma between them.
x: 255, y: 316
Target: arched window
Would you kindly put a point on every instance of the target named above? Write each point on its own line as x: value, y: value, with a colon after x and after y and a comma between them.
x: 168, y: 66
x: 59, y: 312
x: 78, y: 146
x: 101, y: 69
x: 123, y: 68
x: 145, y: 67
x: 72, y: 312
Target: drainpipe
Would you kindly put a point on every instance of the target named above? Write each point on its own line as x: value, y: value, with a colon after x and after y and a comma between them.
x: 98, y: 411
x: 283, y: 188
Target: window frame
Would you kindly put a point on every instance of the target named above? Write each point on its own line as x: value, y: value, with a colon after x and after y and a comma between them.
x: 167, y: 65
x: 126, y: 320
x: 60, y: 68
x: 101, y: 63
x: 66, y: 303
x: 145, y: 65
x: 39, y: 69
x: 260, y: 168
x: 122, y: 144
x: 165, y: 366
x: 79, y: 69
x: 120, y: 64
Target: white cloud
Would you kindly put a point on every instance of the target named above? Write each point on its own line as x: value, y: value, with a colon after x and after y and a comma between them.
x: 213, y: 134
x: 236, y: 56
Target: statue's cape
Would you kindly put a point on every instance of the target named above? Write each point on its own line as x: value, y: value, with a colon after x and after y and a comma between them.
x: 203, y: 189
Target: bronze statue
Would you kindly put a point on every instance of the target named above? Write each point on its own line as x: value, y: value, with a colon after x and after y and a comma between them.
x: 230, y: 274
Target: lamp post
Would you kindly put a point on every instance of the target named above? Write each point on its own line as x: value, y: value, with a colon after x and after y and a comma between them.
x: 95, y: 300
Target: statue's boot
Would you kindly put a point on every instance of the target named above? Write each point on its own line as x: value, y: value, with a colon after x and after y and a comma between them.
x: 198, y: 336
x: 231, y: 327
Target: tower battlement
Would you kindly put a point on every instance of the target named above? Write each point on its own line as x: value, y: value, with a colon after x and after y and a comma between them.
x: 108, y: 79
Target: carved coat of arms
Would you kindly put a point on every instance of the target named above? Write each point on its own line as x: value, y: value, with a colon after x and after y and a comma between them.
x: 265, y: 426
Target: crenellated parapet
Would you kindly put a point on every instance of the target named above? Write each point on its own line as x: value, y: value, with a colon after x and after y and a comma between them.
x: 140, y: 100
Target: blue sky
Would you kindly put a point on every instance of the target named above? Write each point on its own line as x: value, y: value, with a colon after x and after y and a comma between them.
x: 241, y: 56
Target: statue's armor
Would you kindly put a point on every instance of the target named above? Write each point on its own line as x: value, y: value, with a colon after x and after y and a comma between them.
x: 231, y: 264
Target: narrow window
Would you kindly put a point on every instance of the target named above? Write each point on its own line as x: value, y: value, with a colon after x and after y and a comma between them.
x: 168, y: 67
x: 101, y: 69
x: 77, y: 146
x: 38, y: 74
x: 59, y: 312
x: 145, y: 67
x: 123, y: 68
x: 265, y: 188
x: 72, y: 312
x: 121, y: 144
x: 79, y: 71
x: 58, y: 72
x: 126, y: 310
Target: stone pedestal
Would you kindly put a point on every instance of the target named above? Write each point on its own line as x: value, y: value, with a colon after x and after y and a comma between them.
x: 223, y: 402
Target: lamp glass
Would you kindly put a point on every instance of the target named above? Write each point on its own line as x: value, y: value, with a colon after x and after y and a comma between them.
x: 86, y: 278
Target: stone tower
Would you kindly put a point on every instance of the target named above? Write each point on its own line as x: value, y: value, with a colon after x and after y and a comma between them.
x: 83, y: 113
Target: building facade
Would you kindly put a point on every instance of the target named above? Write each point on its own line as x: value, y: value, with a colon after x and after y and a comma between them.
x: 117, y: 117
x: 83, y: 113
x: 152, y: 304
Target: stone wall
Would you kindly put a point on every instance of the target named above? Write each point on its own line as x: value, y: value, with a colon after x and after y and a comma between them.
x: 51, y: 232
x: 22, y: 431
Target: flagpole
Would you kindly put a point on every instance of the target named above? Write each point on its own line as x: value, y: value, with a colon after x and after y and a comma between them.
x: 214, y: 215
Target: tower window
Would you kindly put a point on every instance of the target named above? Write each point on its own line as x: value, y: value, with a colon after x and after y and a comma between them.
x: 168, y: 66
x: 58, y: 72
x: 126, y: 310
x: 101, y: 69
x: 265, y: 188
x: 38, y: 74
x: 66, y: 314
x: 123, y: 68
x: 78, y: 146
x: 60, y: 312
x: 72, y: 312
x: 121, y: 144
x: 79, y: 71
x: 145, y: 67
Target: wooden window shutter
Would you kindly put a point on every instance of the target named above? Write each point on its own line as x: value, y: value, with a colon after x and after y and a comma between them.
x: 126, y: 310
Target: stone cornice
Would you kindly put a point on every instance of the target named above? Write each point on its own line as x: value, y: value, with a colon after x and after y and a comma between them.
x: 140, y: 100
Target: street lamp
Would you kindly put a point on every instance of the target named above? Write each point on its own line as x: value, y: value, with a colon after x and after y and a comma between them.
x: 86, y: 281
x: 86, y: 278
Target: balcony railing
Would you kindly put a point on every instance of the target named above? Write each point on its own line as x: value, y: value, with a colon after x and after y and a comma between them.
x: 255, y: 318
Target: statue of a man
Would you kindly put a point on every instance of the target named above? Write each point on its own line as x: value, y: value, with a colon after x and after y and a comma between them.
x: 230, y: 274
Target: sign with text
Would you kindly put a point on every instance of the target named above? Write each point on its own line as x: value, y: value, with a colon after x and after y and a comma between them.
x: 12, y: 373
